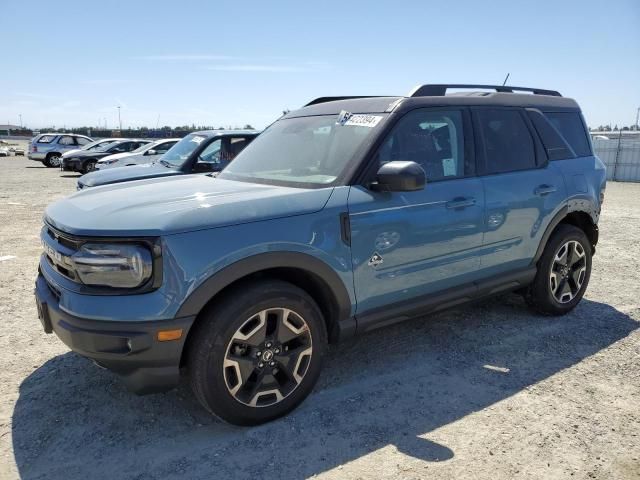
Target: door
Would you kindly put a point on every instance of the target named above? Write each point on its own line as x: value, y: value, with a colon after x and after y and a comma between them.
x: 409, y: 244
x: 522, y: 189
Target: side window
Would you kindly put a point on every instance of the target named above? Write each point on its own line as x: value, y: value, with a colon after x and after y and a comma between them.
x: 82, y: 141
x: 120, y: 148
x: 163, y: 147
x: 234, y: 147
x: 66, y: 140
x: 434, y: 139
x: 556, y: 147
x: 570, y: 125
x: 508, y: 145
x: 212, y: 153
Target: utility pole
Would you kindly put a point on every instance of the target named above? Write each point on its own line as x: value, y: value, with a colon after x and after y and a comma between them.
x: 119, y: 119
x: 637, y: 116
x: 20, y: 115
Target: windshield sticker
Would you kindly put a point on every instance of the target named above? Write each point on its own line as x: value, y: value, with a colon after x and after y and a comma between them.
x: 343, y: 116
x: 197, y: 140
x: 363, y: 120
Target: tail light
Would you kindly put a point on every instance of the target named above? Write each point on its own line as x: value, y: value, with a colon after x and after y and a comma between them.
x: 34, y: 148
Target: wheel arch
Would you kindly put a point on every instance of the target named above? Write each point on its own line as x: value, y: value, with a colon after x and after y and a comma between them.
x: 314, y: 276
x: 578, y: 218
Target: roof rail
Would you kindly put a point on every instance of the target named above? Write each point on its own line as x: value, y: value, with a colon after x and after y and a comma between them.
x: 333, y: 99
x: 439, y: 90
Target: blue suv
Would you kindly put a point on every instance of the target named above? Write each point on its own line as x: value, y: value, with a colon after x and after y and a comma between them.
x: 346, y: 215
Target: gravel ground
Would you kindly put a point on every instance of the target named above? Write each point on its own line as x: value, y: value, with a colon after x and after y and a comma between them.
x: 486, y: 391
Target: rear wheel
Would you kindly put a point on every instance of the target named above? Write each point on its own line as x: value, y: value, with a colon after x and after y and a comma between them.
x: 53, y: 160
x: 258, y: 353
x: 563, y: 272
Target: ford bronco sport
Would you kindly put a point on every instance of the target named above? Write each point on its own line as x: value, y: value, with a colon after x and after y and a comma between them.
x: 348, y: 214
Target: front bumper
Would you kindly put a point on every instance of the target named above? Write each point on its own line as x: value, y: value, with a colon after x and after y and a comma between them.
x: 128, y: 348
x: 71, y: 165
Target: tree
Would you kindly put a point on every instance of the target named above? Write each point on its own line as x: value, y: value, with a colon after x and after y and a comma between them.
x: 248, y: 127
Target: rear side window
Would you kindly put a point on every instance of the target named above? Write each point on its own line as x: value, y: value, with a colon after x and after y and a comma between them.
x: 508, y: 145
x: 555, y: 145
x: 82, y: 141
x: 66, y: 140
x: 570, y: 125
x: 46, y: 139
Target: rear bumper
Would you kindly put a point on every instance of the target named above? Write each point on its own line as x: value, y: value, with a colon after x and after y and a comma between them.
x: 38, y: 157
x: 128, y: 348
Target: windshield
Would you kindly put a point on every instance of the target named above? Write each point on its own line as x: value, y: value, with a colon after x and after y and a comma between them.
x: 182, y: 150
x: 305, y: 150
x: 144, y: 147
x: 106, y: 146
x: 97, y: 145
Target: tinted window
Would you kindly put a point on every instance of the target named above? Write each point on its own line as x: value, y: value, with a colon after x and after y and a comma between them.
x: 82, y: 141
x: 554, y: 144
x: 66, y: 140
x: 163, y: 147
x: 570, y: 125
x: 433, y: 139
x: 508, y: 145
x: 46, y: 139
x: 211, y: 153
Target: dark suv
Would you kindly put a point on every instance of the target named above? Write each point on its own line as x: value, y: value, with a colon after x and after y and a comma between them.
x: 343, y: 216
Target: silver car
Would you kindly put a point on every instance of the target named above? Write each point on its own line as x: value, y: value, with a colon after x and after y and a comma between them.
x: 91, y: 146
x: 49, y: 147
x: 148, y: 153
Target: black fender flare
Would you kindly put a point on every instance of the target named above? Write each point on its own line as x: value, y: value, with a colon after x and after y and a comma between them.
x: 265, y: 261
x: 555, y: 221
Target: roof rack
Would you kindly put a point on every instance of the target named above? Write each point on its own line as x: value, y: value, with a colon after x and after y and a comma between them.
x: 439, y: 90
x: 333, y: 99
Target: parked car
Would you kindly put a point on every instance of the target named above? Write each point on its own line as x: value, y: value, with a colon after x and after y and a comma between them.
x: 343, y: 216
x: 4, y: 152
x: 49, y: 147
x: 95, y: 145
x: 145, y: 154
x: 17, y: 151
x: 199, y: 152
x: 85, y: 161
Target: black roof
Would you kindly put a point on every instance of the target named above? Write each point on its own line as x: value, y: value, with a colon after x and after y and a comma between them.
x: 435, y: 95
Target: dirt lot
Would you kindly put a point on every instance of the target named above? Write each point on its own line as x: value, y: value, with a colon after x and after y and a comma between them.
x: 486, y: 391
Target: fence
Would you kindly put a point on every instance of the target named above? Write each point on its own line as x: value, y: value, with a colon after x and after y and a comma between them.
x: 620, y: 152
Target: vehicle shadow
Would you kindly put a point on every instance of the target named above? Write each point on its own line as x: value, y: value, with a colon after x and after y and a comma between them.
x: 77, y: 175
x: 390, y: 387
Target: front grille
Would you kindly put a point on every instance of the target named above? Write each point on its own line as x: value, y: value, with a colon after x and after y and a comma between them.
x: 59, y: 258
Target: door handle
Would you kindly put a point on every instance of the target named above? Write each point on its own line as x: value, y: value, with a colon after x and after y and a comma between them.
x: 461, y: 202
x: 544, y: 189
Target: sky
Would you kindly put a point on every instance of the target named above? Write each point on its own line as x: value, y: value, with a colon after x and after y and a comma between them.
x: 230, y: 63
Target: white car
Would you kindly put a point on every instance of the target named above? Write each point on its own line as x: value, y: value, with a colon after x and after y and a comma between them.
x: 4, y: 152
x: 145, y: 154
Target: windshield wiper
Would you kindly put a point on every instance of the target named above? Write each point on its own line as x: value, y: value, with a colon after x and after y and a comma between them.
x: 165, y: 163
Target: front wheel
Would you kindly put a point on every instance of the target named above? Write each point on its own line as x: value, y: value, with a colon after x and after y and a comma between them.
x: 257, y: 354
x: 563, y: 272
x: 89, y: 167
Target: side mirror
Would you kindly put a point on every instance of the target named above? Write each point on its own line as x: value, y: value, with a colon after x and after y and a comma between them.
x: 151, y: 152
x: 399, y: 176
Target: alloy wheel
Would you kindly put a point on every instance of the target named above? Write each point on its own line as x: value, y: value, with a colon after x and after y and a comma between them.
x: 267, y: 357
x: 568, y: 271
x: 55, y: 160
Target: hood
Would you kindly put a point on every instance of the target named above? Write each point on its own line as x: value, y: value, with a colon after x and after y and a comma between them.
x: 88, y: 154
x: 178, y: 204
x: 116, y: 156
x: 125, y: 174
x: 68, y: 153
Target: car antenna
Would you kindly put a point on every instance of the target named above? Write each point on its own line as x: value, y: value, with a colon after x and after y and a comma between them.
x: 505, y: 79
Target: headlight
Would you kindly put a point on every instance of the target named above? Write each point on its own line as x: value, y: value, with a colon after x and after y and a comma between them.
x: 113, y: 265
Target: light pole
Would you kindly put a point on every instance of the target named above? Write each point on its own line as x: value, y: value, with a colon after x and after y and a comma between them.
x: 119, y: 119
x: 20, y: 115
x: 637, y: 115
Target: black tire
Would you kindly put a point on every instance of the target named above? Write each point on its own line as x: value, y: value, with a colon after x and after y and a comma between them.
x: 89, y: 166
x: 540, y: 296
x: 52, y: 159
x: 215, y: 335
